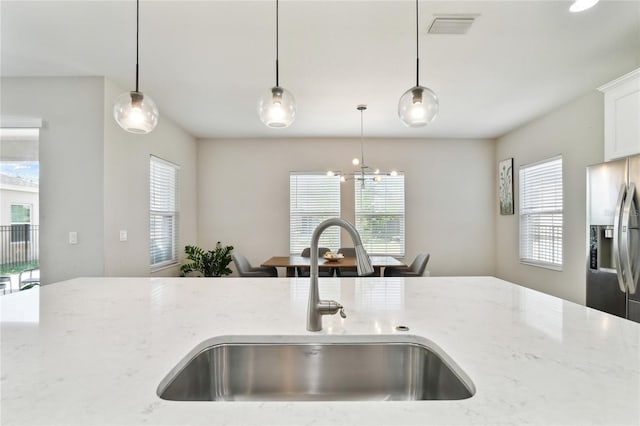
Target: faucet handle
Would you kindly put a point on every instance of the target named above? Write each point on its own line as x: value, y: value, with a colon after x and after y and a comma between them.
x: 342, y: 314
x: 330, y: 307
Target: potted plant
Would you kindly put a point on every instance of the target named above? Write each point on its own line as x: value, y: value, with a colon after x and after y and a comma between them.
x: 212, y: 263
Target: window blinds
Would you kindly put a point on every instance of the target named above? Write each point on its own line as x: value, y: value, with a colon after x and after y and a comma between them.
x: 163, y: 187
x: 541, y: 207
x: 313, y: 198
x: 380, y: 215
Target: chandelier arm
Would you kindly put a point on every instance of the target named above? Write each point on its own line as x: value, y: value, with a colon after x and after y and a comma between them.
x: 365, y: 172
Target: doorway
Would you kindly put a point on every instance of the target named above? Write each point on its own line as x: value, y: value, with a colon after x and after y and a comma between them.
x: 19, y: 208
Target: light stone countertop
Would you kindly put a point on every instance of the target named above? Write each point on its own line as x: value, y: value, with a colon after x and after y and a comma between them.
x: 93, y: 350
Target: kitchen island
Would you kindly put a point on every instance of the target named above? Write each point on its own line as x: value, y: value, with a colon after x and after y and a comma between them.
x: 93, y: 350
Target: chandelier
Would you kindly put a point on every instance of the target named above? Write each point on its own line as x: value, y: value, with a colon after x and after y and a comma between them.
x: 365, y: 171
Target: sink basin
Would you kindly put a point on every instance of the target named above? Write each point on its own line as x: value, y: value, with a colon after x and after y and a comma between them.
x: 316, y: 368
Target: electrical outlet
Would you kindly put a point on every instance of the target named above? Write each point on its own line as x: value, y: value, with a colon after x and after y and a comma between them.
x: 123, y: 235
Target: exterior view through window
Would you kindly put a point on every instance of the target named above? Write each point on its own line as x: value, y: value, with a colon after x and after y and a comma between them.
x: 380, y: 214
x: 19, y: 208
x: 541, y: 207
x: 313, y: 198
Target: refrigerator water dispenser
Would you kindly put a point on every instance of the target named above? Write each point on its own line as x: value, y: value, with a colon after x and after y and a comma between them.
x: 601, y: 248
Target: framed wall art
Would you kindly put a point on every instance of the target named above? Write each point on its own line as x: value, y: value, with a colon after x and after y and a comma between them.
x: 505, y: 188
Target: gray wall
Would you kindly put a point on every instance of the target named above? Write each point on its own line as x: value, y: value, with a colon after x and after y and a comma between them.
x: 93, y: 181
x: 243, y: 194
x: 576, y: 131
x: 71, y: 169
x: 126, y: 189
x: 94, y: 177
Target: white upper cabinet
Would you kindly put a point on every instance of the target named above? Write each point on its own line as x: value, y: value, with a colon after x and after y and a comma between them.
x: 622, y: 116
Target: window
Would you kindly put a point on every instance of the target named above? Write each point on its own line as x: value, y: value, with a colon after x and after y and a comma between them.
x: 20, y: 214
x: 313, y: 198
x: 20, y: 222
x: 163, y: 212
x: 380, y: 215
x: 541, y: 214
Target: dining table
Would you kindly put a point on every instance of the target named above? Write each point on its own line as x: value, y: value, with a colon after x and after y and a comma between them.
x: 291, y: 262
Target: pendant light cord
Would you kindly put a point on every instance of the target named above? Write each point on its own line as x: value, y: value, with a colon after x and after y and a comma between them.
x: 362, y: 166
x: 277, y: 43
x: 417, y: 49
x: 137, y: 38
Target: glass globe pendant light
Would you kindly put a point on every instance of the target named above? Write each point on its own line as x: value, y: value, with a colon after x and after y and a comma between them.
x: 418, y: 106
x: 134, y: 111
x: 277, y: 107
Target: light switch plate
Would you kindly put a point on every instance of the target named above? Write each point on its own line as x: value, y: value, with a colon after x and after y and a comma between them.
x: 73, y: 237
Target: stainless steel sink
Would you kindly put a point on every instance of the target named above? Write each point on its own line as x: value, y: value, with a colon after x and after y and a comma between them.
x: 316, y: 368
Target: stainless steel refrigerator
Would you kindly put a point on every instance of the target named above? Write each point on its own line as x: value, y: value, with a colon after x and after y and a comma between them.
x: 613, y: 261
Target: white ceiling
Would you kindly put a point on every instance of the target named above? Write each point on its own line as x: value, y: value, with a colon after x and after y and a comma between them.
x: 205, y: 63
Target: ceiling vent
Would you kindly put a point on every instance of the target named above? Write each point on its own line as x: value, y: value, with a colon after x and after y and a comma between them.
x: 451, y: 24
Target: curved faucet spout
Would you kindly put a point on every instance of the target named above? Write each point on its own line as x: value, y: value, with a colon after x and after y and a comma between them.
x: 316, y: 307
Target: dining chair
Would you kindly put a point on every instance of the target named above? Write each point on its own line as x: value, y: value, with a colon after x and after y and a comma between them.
x: 303, y: 271
x: 349, y: 271
x: 416, y: 269
x: 4, y: 282
x: 245, y: 269
x: 28, y: 279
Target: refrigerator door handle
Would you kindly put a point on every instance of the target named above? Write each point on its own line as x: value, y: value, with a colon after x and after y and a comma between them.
x: 620, y: 270
x: 629, y: 223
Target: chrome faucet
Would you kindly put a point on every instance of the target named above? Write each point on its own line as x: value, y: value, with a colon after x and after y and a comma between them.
x: 318, y: 307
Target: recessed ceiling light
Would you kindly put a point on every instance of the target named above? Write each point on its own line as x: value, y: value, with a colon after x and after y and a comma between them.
x: 580, y: 5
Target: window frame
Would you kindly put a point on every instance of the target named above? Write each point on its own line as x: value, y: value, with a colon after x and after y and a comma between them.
x: 546, y: 210
x: 360, y: 213
x: 171, y: 211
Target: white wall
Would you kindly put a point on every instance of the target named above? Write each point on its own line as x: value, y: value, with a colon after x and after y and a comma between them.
x: 243, y: 194
x: 94, y: 181
x: 576, y: 132
x: 94, y: 177
x: 126, y: 189
x: 71, y: 169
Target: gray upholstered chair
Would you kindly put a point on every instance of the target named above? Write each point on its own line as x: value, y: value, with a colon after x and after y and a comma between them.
x: 4, y: 282
x: 245, y: 269
x: 324, y: 272
x: 349, y: 271
x: 416, y: 269
x: 29, y: 278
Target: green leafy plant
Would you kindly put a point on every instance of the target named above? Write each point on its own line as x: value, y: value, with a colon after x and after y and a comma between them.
x: 212, y: 263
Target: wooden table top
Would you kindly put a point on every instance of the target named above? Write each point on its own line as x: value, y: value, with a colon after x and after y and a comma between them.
x: 347, y: 262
